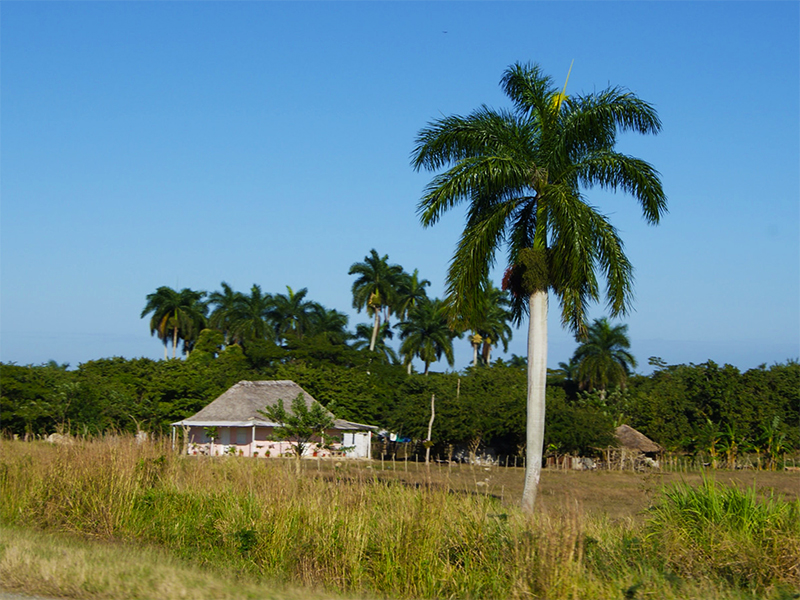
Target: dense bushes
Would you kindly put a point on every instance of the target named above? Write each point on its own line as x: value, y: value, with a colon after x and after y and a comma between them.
x: 685, y: 407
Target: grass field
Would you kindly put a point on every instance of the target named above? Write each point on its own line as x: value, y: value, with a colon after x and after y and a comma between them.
x: 615, y: 494
x: 113, y: 519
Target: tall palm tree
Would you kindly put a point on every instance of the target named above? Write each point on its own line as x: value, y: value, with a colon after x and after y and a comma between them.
x: 249, y: 319
x: 603, y: 358
x: 410, y: 292
x: 331, y: 323
x: 522, y: 172
x: 291, y: 313
x: 181, y: 314
x: 375, y: 289
x: 225, y: 303
x: 427, y: 334
x: 494, y: 326
x: 383, y: 351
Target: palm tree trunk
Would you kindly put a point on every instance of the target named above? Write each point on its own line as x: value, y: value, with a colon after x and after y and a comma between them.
x: 375, y: 331
x: 474, y: 354
x: 174, y: 340
x: 487, y: 354
x: 537, y: 381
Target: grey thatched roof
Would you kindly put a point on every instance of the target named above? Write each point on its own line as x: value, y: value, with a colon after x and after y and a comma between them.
x: 240, y: 405
x: 630, y: 438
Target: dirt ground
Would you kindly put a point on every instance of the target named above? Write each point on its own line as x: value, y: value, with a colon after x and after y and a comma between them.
x: 617, y: 494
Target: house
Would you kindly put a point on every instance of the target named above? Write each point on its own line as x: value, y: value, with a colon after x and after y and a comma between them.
x: 239, y: 428
x: 634, y: 448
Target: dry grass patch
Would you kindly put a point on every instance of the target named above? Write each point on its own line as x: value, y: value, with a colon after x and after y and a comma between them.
x: 62, y: 566
x: 409, y: 532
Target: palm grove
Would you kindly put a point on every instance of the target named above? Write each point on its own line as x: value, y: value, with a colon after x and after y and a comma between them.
x: 521, y: 172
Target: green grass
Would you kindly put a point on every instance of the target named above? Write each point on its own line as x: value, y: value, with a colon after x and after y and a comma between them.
x: 713, y: 531
x: 356, y: 533
x: 57, y: 565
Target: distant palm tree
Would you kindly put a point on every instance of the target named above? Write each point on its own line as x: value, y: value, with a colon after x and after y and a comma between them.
x: 567, y: 371
x: 249, y: 318
x: 224, y: 303
x: 330, y: 323
x: 517, y: 361
x: 291, y: 314
x: 181, y: 314
x: 426, y: 334
x: 522, y: 172
x: 410, y: 292
x: 603, y: 359
x: 489, y: 322
x: 375, y: 289
x: 495, y: 324
x: 383, y: 351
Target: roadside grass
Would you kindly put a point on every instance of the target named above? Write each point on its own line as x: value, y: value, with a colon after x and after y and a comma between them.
x: 63, y: 566
x: 408, y: 532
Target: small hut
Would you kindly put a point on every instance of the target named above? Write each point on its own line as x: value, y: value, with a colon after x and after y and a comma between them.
x: 635, y: 450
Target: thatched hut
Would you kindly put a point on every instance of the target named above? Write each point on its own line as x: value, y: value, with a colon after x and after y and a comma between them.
x: 630, y: 439
x: 634, y: 450
x: 236, y: 422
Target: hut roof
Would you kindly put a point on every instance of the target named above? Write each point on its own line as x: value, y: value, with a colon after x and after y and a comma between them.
x: 240, y: 405
x: 630, y: 438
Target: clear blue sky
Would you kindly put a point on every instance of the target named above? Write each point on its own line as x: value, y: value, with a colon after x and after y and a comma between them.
x: 189, y: 143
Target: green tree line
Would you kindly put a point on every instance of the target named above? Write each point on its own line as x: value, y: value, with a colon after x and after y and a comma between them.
x: 683, y: 407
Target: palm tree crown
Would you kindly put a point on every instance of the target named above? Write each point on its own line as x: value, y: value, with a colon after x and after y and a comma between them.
x: 427, y: 334
x: 375, y: 288
x: 410, y: 292
x: 249, y: 317
x: 225, y: 303
x: 603, y: 359
x: 291, y: 313
x: 183, y: 314
x: 522, y: 172
x: 384, y: 353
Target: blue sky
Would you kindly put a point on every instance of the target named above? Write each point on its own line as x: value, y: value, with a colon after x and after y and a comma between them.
x: 184, y: 144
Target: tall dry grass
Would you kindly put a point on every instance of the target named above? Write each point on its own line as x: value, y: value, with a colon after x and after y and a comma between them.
x: 353, y: 532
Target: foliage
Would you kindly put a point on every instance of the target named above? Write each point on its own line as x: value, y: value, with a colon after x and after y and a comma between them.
x: 376, y: 288
x: 522, y: 172
x: 577, y: 429
x: 672, y: 406
x: 300, y: 424
x: 426, y: 334
x: 602, y: 357
x: 291, y: 314
x: 180, y: 315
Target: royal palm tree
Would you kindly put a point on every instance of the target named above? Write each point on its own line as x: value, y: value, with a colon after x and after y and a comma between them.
x: 522, y: 171
x: 375, y: 289
x: 291, y: 313
x: 180, y: 315
x: 249, y: 319
x: 383, y: 351
x: 494, y: 326
x: 567, y: 371
x: 602, y: 358
x: 330, y: 323
x: 410, y: 292
x: 225, y: 303
x: 427, y: 334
